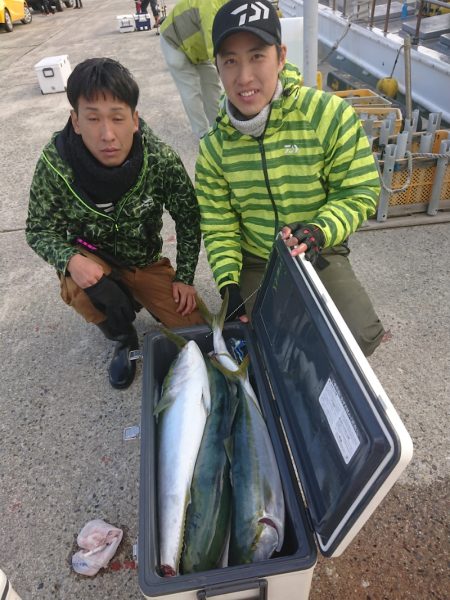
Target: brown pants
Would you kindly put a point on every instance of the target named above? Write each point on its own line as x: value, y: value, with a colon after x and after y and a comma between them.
x: 151, y: 286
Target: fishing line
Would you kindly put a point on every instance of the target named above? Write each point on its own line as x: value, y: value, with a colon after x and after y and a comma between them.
x: 237, y: 308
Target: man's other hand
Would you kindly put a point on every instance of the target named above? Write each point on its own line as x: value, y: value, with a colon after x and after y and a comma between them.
x: 184, y: 296
x: 236, y: 306
x: 303, y: 237
x: 84, y: 272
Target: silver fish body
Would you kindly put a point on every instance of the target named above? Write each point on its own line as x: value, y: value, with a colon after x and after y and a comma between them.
x: 208, y: 515
x: 182, y: 412
x: 258, y: 511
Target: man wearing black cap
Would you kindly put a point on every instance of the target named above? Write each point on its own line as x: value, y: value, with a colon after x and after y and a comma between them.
x: 281, y: 157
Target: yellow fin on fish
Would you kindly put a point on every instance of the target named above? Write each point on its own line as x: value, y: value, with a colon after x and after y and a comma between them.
x: 214, y: 320
x: 178, y: 340
x: 240, y: 372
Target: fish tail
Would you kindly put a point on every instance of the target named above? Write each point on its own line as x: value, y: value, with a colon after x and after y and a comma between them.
x: 178, y: 340
x: 204, y: 311
x: 219, y: 319
x: 243, y: 367
x: 233, y: 375
x: 214, y: 320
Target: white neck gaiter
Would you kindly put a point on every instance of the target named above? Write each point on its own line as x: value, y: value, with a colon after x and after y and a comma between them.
x: 256, y: 125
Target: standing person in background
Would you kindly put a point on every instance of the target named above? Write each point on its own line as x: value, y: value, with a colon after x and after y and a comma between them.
x: 187, y: 47
x: 45, y: 7
x: 78, y: 4
x: 282, y: 157
x: 95, y: 213
x: 155, y: 9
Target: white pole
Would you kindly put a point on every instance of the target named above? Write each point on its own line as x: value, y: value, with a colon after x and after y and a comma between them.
x: 310, y: 37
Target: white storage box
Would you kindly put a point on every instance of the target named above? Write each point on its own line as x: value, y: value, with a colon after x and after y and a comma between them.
x: 332, y: 426
x: 125, y: 23
x: 142, y: 22
x: 53, y: 73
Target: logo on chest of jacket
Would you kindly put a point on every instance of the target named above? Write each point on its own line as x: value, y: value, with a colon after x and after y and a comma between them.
x: 291, y: 149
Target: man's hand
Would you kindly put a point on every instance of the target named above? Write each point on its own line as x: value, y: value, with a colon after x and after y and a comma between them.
x: 236, y: 306
x: 303, y: 237
x: 184, y: 296
x: 84, y: 272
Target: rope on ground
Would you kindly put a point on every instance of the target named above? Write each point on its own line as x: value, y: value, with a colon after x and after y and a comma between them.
x: 410, y: 156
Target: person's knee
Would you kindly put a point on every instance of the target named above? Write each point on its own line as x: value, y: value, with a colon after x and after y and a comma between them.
x: 370, y: 337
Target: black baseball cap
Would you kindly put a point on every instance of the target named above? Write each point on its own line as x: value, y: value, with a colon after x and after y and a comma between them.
x: 258, y: 17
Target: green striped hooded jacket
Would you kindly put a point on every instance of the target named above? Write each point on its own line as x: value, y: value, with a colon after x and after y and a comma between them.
x: 313, y: 164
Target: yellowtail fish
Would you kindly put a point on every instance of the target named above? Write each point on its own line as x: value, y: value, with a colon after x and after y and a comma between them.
x: 182, y: 412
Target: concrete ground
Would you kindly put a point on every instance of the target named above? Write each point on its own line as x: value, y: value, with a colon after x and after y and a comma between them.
x: 63, y: 458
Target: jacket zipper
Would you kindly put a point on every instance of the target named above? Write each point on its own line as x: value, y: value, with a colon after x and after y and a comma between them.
x: 266, y: 179
x: 101, y: 214
x: 138, y: 183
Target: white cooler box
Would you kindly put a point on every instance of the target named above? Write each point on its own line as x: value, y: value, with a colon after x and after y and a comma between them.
x: 142, y: 22
x: 125, y: 23
x: 339, y: 443
x: 53, y: 73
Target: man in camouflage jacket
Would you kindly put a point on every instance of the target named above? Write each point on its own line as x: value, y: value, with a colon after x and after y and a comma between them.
x: 95, y: 213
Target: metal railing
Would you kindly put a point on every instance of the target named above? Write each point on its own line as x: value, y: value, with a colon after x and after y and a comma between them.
x: 421, y: 6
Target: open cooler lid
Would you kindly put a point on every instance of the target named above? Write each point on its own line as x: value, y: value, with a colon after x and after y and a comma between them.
x: 348, y: 444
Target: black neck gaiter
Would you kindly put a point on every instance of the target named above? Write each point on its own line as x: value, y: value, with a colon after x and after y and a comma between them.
x: 101, y: 184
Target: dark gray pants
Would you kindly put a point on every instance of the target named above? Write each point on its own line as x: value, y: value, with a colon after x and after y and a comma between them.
x: 344, y: 288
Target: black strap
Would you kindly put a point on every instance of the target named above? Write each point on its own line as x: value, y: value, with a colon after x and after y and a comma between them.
x: 5, y: 591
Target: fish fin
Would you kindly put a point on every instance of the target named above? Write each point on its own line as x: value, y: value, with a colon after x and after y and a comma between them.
x: 278, y: 526
x: 239, y: 373
x: 243, y: 367
x: 214, y: 320
x: 164, y: 403
x: 233, y: 375
x: 178, y: 340
x: 234, y: 403
x: 228, y: 445
x: 204, y: 311
x: 219, y: 319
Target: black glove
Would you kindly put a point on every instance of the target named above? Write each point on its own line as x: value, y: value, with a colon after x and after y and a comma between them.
x: 311, y: 236
x: 108, y: 297
x: 236, y: 307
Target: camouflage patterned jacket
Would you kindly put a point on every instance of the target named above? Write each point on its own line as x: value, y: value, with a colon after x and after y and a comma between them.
x: 57, y: 214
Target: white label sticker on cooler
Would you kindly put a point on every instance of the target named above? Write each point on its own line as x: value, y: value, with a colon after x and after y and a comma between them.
x: 339, y: 420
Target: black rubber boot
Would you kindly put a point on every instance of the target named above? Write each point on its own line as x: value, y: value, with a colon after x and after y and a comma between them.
x: 121, y: 369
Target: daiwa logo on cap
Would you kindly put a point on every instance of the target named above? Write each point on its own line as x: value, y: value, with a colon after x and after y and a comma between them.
x: 258, y: 17
x: 249, y: 16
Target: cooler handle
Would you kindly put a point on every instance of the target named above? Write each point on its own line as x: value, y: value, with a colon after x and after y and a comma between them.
x: 218, y: 590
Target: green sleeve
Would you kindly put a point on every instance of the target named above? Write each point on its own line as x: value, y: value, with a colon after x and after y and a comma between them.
x: 46, y: 225
x: 351, y: 177
x: 219, y: 222
x: 180, y: 201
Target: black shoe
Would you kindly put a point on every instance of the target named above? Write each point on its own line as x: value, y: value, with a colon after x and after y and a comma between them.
x: 121, y: 369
